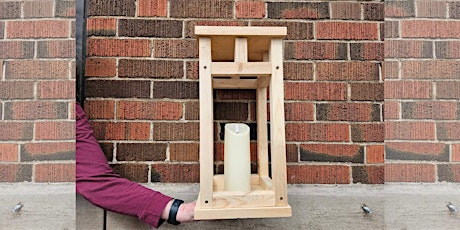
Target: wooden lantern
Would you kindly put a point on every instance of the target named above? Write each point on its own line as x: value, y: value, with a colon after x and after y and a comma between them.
x: 243, y: 58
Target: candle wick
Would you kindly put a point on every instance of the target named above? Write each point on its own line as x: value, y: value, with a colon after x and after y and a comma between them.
x: 236, y: 129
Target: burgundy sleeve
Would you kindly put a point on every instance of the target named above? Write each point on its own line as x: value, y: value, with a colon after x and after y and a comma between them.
x: 97, y: 182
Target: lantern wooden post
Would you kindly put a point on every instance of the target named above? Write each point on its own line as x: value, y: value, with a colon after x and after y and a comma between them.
x: 256, y: 53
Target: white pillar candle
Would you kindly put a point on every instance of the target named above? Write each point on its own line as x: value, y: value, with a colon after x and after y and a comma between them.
x: 237, y: 160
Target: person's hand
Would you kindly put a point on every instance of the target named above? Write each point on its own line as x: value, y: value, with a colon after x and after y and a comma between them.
x: 186, y: 212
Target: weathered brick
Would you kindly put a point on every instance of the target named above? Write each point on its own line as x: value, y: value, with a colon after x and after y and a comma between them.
x: 16, y: 90
x: 16, y: 49
x: 366, y: 91
x: 38, y: 29
x: 190, y: 25
x: 61, y: 130
x: 16, y: 131
x: 374, y: 132
x: 2, y: 29
x: 391, y: 69
x: 117, y: 89
x: 54, y: 172
x: 100, y: 109
x: 38, y: 9
x: 175, y: 48
x: 176, y: 131
x: 317, y: 91
x: 8, y: 152
x: 10, y: 9
x: 448, y: 131
x: 295, y: 30
x: 347, y: 71
x: 65, y: 8
x: 448, y: 90
x: 298, y: 10
x: 395, y: 172
x: 101, y: 67
x: 317, y: 132
x: 201, y: 9
x: 152, y: 8
x: 27, y: 110
x: 431, y: 9
x: 175, y: 173
x: 391, y: 29
x: 56, y: 49
x: 231, y: 111
x: 184, y: 151
x: 101, y: 26
x: 408, y: 89
x: 430, y: 29
x: 175, y: 90
x: 230, y: 94
x: 454, y: 9
x: 368, y: 174
x: 150, y: 28
x: 299, y: 111
x: 347, y: 30
x: 150, y: 68
x: 292, y: 153
x: 298, y: 71
x: 48, y: 150
x: 449, y: 173
x: 373, y: 11
x: 316, y: 50
x: 447, y: 49
x: 191, y: 68
x: 367, y: 51
x: 409, y: 130
x: 408, y: 49
x: 332, y: 153
x: 456, y: 152
x: 436, y: 110
x: 345, y: 10
x: 391, y: 109
x: 399, y: 9
x: 119, y: 47
x: 141, y: 151
x: 149, y: 110
x: 107, y: 148
x: 348, y: 112
x: 15, y: 172
x: 34, y: 69
x: 375, y: 154
x: 112, y: 8
x: 72, y: 29
x: 121, y: 130
x: 132, y: 171
x: 250, y: 9
x: 192, y: 110
x: 431, y: 69
x: 318, y: 174
x: 56, y: 89
x: 425, y: 151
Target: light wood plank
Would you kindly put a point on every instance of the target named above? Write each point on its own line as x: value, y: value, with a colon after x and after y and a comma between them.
x: 235, y: 199
x: 266, y: 31
x: 241, y: 68
x: 234, y: 83
x: 232, y: 213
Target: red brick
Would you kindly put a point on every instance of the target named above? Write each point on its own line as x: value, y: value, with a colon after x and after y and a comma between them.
x: 368, y: 174
x: 319, y: 91
x: 175, y: 48
x: 391, y: 69
x: 298, y: 71
x: 408, y: 89
x: 184, y: 151
x: 8, y: 152
x: 449, y: 172
x: 61, y: 130
x: 176, y: 131
x: 16, y: 89
x: 391, y: 110
x: 38, y: 9
x: 391, y: 29
x: 347, y: 71
x: 192, y: 110
x: 408, y: 49
x: 56, y: 89
x: 152, y: 8
x: 15, y: 172
x: 101, y: 67
x: 346, y: 10
x: 100, y: 109
x: 101, y: 26
x: 58, y: 172
x: 431, y: 9
x: 448, y: 90
x: 425, y: 151
x: 56, y: 49
x: 190, y: 25
x: 36, y: 69
x: 448, y: 131
x: 176, y: 173
x: 151, y: 110
x: 141, y: 151
x: 27, y: 110
x: 192, y: 69
x: 151, y: 68
x: 318, y: 174
x: 447, y: 49
x: 409, y: 130
x: 299, y: 111
x: 367, y: 51
x: 250, y: 9
x: 431, y: 69
x: 367, y: 132
x: 201, y: 9
x: 347, y: 30
x: 119, y: 47
x: 375, y: 154
x: 456, y: 152
x: 48, y: 150
x: 395, y: 172
x: 398, y: 9
x: 121, y: 130
x: 316, y: 50
x: 317, y: 132
x: 430, y: 29
x: 16, y: 131
x: 298, y: 10
x: 38, y: 29
x: 347, y: 112
x: 332, y: 153
x: 436, y: 110
x: 16, y: 49
x: 367, y: 91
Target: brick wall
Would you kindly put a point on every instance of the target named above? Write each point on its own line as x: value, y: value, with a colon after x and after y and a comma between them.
x: 37, y: 90
x: 422, y: 91
x: 142, y: 86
